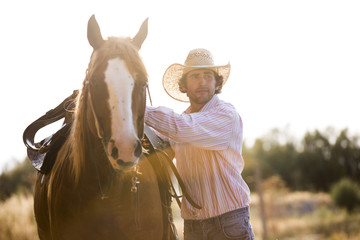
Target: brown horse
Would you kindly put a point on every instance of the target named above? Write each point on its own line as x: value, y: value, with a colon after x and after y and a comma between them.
x: 101, y: 185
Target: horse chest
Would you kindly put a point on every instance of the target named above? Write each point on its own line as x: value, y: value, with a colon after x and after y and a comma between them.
x: 123, y: 214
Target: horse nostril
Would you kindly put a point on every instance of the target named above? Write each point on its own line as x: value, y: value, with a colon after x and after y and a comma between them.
x: 138, y: 149
x: 115, y: 153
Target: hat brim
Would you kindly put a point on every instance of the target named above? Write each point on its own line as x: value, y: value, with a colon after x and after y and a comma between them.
x: 173, y: 74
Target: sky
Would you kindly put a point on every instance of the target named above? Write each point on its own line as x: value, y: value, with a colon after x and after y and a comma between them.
x: 295, y: 64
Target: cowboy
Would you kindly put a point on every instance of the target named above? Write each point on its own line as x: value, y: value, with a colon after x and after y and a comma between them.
x: 207, y: 140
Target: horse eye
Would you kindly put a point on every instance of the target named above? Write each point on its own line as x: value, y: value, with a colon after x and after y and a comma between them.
x: 142, y: 80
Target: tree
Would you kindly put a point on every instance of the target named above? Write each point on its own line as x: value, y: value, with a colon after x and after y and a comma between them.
x: 346, y: 153
x: 321, y: 159
x: 20, y: 179
x: 346, y: 194
x: 316, y: 164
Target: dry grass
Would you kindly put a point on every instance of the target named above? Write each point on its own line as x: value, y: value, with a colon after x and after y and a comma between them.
x: 290, y: 216
x: 17, y: 220
x: 301, y: 215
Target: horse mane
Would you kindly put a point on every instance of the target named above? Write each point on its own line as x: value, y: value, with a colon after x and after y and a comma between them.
x: 79, y: 133
x: 73, y: 154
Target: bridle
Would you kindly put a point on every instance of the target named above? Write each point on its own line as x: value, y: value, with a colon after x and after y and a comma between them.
x: 100, y: 133
x: 98, y: 125
x: 155, y: 143
x: 43, y: 154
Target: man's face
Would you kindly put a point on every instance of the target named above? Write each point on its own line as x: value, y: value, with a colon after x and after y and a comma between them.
x: 200, y: 85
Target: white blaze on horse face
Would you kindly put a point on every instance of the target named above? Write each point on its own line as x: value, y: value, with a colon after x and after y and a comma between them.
x: 123, y: 138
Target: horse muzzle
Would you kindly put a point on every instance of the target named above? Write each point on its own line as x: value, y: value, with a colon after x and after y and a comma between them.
x: 123, y: 155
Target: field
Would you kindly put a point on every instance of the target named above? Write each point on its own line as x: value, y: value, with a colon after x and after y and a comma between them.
x: 17, y: 220
x: 289, y: 216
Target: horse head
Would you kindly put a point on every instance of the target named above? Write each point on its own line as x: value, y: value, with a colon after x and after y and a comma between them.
x: 116, y: 94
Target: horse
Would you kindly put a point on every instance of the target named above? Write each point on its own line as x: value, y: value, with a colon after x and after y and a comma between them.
x: 103, y: 184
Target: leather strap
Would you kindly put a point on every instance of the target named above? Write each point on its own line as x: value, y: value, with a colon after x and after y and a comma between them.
x: 43, y: 154
x: 164, y: 148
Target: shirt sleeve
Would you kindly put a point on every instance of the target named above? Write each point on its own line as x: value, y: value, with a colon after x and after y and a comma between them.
x: 211, y: 129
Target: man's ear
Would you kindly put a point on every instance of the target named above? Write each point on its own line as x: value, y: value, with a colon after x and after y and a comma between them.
x: 217, y: 87
x: 183, y: 89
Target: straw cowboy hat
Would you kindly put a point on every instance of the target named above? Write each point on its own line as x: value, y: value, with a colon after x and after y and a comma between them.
x: 196, y: 59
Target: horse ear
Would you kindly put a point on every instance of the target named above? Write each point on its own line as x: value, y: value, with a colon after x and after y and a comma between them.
x: 94, y: 34
x: 141, y: 35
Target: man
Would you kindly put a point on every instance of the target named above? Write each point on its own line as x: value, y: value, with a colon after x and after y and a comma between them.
x: 207, y: 140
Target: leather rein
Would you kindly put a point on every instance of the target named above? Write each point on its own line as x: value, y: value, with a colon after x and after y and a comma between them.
x: 43, y: 154
x: 163, y: 148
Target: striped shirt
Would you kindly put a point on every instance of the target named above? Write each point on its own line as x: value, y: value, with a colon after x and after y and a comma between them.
x: 207, y: 147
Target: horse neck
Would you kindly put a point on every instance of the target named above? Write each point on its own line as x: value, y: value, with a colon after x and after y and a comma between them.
x: 88, y: 155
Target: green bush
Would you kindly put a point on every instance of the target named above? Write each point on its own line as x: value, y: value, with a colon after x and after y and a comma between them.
x: 19, y: 179
x: 346, y: 194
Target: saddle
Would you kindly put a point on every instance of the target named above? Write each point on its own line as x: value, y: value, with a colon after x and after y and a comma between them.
x: 42, y: 155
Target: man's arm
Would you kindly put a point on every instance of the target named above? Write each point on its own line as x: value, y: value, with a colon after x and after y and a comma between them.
x: 212, y: 129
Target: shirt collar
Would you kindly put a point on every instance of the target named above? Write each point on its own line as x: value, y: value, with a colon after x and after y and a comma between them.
x: 210, y: 104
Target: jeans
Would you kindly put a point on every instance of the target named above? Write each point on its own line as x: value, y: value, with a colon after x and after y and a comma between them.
x: 230, y: 225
